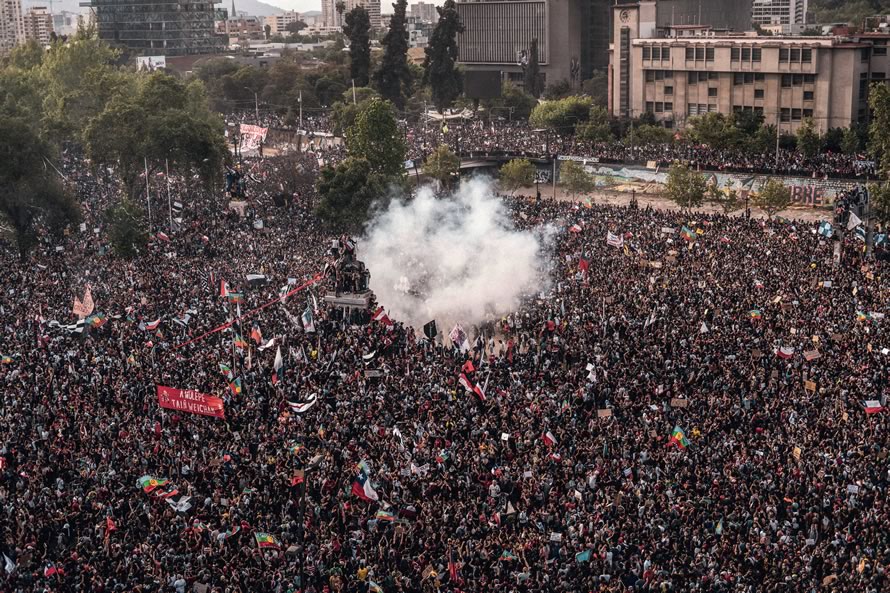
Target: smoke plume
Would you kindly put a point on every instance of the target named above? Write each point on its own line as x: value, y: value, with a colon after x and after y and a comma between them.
x: 457, y: 259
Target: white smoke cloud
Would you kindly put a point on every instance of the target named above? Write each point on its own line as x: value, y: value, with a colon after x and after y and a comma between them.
x: 457, y: 259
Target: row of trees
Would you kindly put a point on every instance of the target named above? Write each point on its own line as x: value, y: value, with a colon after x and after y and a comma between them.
x: 74, y: 92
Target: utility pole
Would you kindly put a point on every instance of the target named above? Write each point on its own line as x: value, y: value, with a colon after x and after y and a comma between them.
x: 300, y: 101
x: 353, y: 91
x: 169, y: 201
x: 147, y: 193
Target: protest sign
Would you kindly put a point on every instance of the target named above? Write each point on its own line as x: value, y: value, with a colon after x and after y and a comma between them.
x: 189, y: 400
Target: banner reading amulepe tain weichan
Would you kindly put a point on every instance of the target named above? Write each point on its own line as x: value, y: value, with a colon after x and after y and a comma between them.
x: 189, y: 400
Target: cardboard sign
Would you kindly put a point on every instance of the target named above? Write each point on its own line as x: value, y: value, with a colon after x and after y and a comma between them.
x: 679, y: 402
x: 810, y: 386
x: 189, y: 400
x: 370, y: 373
x: 796, y: 453
x: 810, y: 355
x: 605, y: 413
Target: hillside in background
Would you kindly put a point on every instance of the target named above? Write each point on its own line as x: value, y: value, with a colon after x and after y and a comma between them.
x: 847, y: 11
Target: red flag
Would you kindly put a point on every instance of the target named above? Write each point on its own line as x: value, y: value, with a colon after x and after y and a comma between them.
x: 109, y: 526
x: 583, y: 265
x: 468, y: 367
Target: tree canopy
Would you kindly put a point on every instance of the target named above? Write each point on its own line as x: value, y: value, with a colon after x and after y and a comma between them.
x: 440, y: 64
x: 376, y: 137
x: 685, y: 187
x: 393, y: 77
x: 357, y: 28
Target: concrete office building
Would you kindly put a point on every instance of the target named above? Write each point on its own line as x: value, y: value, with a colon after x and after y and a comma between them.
x: 779, y: 12
x: 496, y: 33
x: 12, y: 30
x: 786, y: 79
x: 38, y: 24
x: 158, y: 27
x: 424, y: 11
x: 278, y: 22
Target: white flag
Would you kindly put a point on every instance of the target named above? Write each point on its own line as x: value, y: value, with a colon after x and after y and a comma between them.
x: 704, y: 328
x: 9, y: 564
x: 854, y: 221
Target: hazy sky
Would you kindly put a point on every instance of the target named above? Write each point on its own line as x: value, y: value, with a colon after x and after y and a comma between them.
x: 306, y: 5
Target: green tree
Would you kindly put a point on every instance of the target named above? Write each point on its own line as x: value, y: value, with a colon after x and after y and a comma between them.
x: 440, y: 64
x: 575, y: 178
x: 376, y: 137
x: 649, y: 134
x: 514, y: 103
x: 726, y: 197
x: 558, y: 90
x: 127, y: 230
x: 393, y: 77
x: 685, y: 187
x: 879, y: 202
x: 713, y: 129
x: 809, y: 141
x: 532, y: 77
x: 773, y: 197
x: 442, y: 165
x: 32, y: 194
x: 347, y: 193
x: 879, y: 130
x: 516, y: 174
x: 850, y: 141
x: 345, y: 112
x: 597, y: 127
x: 161, y: 119
x: 764, y: 140
x: 747, y: 122
x: 358, y: 29
x: 561, y: 115
x: 295, y: 27
x: 597, y: 88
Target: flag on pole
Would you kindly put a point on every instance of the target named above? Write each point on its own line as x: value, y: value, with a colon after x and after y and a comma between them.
x: 9, y: 565
x: 226, y: 370
x: 549, y: 439
x: 458, y: 337
x: 430, y: 330
x: 305, y: 406
x: 381, y: 316
x: 266, y: 540
x: 825, y: 229
x: 276, y: 366
x: 678, y: 437
x: 240, y: 342
x: 614, y: 240
x: 853, y: 222
x: 687, y: 234
x: 256, y: 335
x: 308, y: 320
x: 235, y: 386
x: 223, y: 288
x: 873, y: 406
x: 153, y: 325
x: 361, y: 484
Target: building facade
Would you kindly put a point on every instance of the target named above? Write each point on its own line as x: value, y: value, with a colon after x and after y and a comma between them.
x: 424, y: 11
x: 158, y: 27
x: 779, y: 12
x: 38, y: 24
x: 786, y: 79
x: 497, y: 35
x: 12, y: 30
x: 278, y: 22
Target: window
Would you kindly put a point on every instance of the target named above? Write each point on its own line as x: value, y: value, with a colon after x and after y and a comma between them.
x: 712, y: 109
x: 668, y: 107
x: 647, y: 52
x: 691, y: 109
x: 808, y: 95
x: 865, y: 53
x: 879, y: 51
x: 734, y: 54
x: 755, y: 54
x: 668, y: 123
x: 806, y: 55
x: 712, y: 92
x: 668, y: 90
x: 650, y: 107
x: 808, y: 113
x: 656, y: 53
x: 659, y: 75
x: 749, y: 78
x: 809, y: 79
x: 758, y: 93
x: 746, y: 54
x: 878, y: 75
x: 690, y: 53
x: 665, y: 53
x: 795, y: 55
x: 738, y: 78
x: 759, y: 77
x: 699, y: 53
x: 659, y: 107
x: 786, y: 80
x: 668, y: 74
x: 797, y: 79
x: 795, y: 115
x: 650, y: 75
x: 786, y: 114
x: 709, y: 54
x: 783, y: 54
x: 758, y: 110
x: 712, y: 76
x: 692, y: 77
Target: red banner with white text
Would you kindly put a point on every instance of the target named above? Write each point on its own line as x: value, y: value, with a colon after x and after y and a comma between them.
x: 189, y: 400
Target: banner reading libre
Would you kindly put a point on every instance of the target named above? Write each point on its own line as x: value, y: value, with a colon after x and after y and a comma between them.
x: 189, y: 400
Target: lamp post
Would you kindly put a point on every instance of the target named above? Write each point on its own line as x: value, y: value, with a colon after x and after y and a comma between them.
x: 256, y: 104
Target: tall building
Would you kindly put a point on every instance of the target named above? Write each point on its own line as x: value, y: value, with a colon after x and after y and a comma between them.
x: 38, y: 24
x: 329, y: 15
x: 158, y: 27
x: 424, y: 11
x: 332, y: 18
x: 498, y: 32
x: 373, y: 8
x: 278, y: 22
x: 785, y: 79
x: 779, y: 12
x: 11, y: 27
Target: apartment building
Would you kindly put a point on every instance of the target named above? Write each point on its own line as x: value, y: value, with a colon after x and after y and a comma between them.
x: 38, y: 24
x: 786, y: 79
x: 12, y: 30
x: 278, y: 23
x: 779, y: 12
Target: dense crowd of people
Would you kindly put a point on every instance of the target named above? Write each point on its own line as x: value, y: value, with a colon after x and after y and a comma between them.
x: 753, y: 339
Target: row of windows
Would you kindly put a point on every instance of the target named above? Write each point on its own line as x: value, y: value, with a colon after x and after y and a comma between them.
x: 652, y: 75
x: 745, y: 54
x: 699, y: 109
x: 794, y: 114
x: 789, y: 80
x: 696, y: 77
x: 656, y: 52
x: 700, y: 53
x: 795, y: 55
x: 659, y: 107
x: 747, y: 77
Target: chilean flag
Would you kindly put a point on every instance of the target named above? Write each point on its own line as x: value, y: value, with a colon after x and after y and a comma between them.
x: 465, y: 382
x: 381, y: 316
x: 479, y: 392
x: 361, y: 485
x: 468, y: 367
x: 785, y: 352
x: 549, y: 439
x: 873, y: 406
x: 153, y: 325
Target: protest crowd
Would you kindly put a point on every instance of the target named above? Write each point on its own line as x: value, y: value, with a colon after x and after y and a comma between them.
x: 687, y: 403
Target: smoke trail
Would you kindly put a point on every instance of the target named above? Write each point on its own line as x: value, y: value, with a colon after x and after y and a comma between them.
x: 454, y: 259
